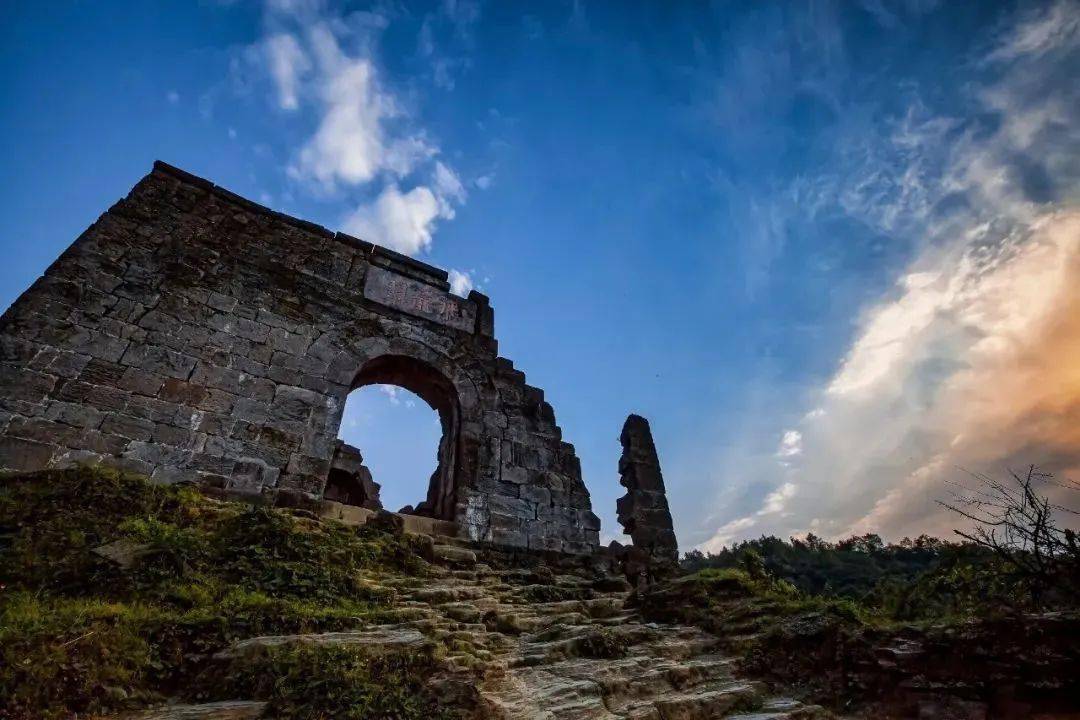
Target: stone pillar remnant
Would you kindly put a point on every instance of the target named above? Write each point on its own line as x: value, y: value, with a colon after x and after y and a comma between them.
x: 350, y: 481
x: 643, y: 511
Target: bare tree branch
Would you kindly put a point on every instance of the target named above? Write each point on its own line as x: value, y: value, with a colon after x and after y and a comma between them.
x: 1016, y: 523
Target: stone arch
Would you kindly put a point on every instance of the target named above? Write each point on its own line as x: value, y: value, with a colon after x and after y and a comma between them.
x: 438, y: 392
x: 448, y: 390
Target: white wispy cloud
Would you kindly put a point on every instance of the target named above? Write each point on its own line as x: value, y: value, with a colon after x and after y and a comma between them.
x: 460, y: 282
x: 776, y: 501
x: 364, y: 138
x: 446, y: 39
x: 402, y: 221
x: 790, y: 444
x: 288, y: 64
x: 1044, y: 32
x: 392, y: 393
x: 353, y: 143
x: 406, y: 221
x: 969, y: 361
x: 448, y: 185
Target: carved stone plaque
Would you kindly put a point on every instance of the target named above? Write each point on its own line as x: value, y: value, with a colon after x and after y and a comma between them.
x: 419, y: 299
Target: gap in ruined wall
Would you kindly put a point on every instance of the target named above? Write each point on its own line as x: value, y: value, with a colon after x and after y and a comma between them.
x: 398, y: 435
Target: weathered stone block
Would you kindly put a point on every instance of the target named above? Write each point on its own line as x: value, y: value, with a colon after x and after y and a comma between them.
x: 250, y: 474
x: 172, y: 435
x: 157, y: 455
x: 107, y: 398
x: 101, y: 443
x: 27, y: 386
x: 279, y: 439
x: 21, y: 454
x: 211, y: 464
x: 74, y: 414
x: 287, y: 342
x: 512, y: 507
x: 169, y: 475
x: 294, y: 403
x: 175, y: 390
x: 127, y: 426
x: 217, y: 401
x: 257, y: 388
x: 514, y: 474
x: 588, y: 520
x: 68, y: 364
x: 141, y: 382
x: 44, y: 431
x: 159, y: 360
x: 222, y: 378
x: 536, y: 494
x: 253, y: 411
x: 101, y: 346
x: 152, y: 409
x: 306, y: 465
x: 224, y: 303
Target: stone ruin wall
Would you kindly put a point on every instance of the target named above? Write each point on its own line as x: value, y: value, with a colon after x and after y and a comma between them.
x: 193, y: 335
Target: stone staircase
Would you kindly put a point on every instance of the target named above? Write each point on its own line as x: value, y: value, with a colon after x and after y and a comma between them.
x: 587, y: 658
x: 540, y: 646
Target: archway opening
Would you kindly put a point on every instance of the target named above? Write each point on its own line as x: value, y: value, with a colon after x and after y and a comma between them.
x: 398, y: 440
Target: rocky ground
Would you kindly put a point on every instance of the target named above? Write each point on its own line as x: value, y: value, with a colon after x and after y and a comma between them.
x: 530, y: 643
x: 118, y: 595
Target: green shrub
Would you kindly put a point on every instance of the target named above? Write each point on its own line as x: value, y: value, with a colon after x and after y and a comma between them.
x: 921, y: 579
x: 308, y: 683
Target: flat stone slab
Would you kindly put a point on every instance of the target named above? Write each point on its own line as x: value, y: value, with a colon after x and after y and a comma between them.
x: 377, y: 637
x: 124, y: 553
x: 227, y: 710
x: 453, y: 554
x: 419, y: 299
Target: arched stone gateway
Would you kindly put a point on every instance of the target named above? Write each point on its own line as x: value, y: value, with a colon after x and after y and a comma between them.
x: 440, y: 393
x: 193, y: 335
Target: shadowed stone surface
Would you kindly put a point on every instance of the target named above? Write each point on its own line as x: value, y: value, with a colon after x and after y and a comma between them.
x: 193, y: 335
x: 350, y: 481
x: 643, y: 511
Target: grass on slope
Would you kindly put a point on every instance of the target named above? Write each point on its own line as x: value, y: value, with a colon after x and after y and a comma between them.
x: 81, y: 635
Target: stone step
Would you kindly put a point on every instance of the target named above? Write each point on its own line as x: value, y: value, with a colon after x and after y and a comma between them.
x: 538, y: 693
x: 226, y: 710
x: 453, y: 555
x: 529, y: 660
x: 628, y: 682
x: 443, y: 593
x: 620, y: 619
x: 681, y: 646
x: 376, y: 638
x: 701, y: 669
x: 700, y: 703
x: 784, y: 709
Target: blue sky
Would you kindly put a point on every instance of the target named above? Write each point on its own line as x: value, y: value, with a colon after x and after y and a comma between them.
x: 829, y: 249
